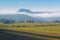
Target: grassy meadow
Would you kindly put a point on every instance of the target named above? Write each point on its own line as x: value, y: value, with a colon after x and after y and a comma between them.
x: 49, y: 31
x: 49, y: 28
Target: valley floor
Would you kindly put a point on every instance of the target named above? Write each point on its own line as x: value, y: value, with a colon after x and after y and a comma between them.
x: 30, y: 33
x: 19, y: 35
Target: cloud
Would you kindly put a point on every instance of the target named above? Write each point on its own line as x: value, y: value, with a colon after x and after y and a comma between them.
x: 45, y: 15
x: 29, y: 11
x: 32, y: 13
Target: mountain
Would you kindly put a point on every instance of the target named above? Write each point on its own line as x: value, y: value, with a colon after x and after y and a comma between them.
x: 19, y: 17
x: 31, y: 12
x: 23, y: 17
x: 6, y: 21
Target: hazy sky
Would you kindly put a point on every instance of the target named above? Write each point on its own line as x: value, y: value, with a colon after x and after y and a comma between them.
x: 11, y: 6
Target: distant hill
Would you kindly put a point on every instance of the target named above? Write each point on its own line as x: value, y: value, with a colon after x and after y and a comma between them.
x: 20, y: 17
x: 23, y: 17
x: 6, y: 21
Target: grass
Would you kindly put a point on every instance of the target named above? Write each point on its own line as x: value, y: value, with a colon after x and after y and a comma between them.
x: 48, y: 28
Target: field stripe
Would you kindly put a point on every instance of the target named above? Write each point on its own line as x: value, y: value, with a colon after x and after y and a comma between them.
x: 30, y: 35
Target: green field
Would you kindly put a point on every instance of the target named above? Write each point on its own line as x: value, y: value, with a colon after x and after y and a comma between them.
x: 36, y: 27
x: 52, y: 29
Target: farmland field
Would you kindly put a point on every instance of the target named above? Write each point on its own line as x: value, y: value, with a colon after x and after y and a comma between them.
x: 50, y: 29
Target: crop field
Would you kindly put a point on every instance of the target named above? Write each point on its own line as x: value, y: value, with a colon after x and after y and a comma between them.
x: 50, y: 30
